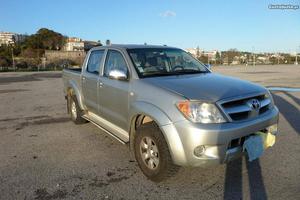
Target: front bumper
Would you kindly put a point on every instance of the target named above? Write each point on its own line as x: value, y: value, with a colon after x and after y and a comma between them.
x: 184, y: 136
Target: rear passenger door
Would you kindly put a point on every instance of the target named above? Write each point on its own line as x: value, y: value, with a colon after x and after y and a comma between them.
x: 114, y: 94
x: 90, y: 80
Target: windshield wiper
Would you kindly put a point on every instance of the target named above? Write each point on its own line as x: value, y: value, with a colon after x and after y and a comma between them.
x: 157, y: 73
x: 178, y: 72
x: 189, y: 71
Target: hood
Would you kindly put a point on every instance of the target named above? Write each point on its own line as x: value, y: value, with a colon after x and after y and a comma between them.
x: 207, y: 87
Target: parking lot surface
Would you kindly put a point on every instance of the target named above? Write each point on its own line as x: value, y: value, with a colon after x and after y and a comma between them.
x: 43, y: 155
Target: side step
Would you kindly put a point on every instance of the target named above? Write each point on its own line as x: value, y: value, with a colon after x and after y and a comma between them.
x: 103, y: 129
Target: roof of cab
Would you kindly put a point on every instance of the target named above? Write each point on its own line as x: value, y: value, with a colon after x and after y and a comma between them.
x: 133, y: 46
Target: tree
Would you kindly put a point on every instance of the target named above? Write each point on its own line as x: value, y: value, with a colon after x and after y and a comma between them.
x: 228, y: 56
x: 4, y: 62
x: 5, y: 54
x: 198, y: 52
x: 218, y: 57
x: 45, y: 39
x: 203, y: 58
x: 32, y: 48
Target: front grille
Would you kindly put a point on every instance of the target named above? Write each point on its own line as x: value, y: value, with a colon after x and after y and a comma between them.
x: 239, y: 142
x: 241, y: 109
x: 239, y: 116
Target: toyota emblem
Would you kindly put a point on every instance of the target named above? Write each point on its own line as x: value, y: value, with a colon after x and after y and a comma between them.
x: 254, y: 104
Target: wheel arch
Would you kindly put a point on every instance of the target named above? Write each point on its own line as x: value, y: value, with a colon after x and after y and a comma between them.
x: 73, y: 89
x: 141, y: 112
x: 146, y: 112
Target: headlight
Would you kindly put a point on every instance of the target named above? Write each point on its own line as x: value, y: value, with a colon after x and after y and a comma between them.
x: 200, y: 112
x: 268, y: 95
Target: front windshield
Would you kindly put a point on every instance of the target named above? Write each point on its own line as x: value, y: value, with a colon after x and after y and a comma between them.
x: 151, y: 62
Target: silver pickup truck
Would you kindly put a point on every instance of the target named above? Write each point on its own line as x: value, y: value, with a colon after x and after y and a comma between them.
x: 169, y: 108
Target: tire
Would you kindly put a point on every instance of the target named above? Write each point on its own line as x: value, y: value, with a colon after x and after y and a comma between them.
x: 161, y: 167
x: 75, y: 112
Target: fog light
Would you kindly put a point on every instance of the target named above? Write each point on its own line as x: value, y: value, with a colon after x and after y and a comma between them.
x: 199, y: 150
x: 273, y: 129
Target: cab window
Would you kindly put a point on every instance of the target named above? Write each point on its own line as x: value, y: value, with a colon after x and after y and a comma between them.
x: 94, y: 61
x: 114, y: 61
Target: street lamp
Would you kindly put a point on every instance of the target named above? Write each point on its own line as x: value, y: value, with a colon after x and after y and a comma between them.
x: 253, y: 56
x: 207, y: 59
x: 12, y: 56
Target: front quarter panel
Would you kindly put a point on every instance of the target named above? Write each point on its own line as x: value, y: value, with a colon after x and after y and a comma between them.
x: 145, y: 108
x: 76, y: 90
x: 162, y: 120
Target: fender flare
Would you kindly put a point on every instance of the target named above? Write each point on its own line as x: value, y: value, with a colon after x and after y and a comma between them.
x: 151, y: 110
x: 73, y: 86
x: 165, y: 124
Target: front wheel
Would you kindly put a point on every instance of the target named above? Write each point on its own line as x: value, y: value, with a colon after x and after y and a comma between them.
x: 152, y: 153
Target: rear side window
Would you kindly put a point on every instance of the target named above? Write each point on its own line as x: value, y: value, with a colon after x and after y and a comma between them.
x: 114, y: 61
x: 94, y: 61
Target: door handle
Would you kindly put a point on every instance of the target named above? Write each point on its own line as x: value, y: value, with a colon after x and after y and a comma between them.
x: 83, y: 79
x: 100, y: 84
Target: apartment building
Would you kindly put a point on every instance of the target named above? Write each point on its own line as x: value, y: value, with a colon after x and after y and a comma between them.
x: 74, y: 44
x: 9, y: 38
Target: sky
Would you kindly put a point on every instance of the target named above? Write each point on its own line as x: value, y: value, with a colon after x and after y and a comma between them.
x: 247, y: 25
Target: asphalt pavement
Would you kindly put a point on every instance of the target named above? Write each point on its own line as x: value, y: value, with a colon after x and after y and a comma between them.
x: 43, y: 155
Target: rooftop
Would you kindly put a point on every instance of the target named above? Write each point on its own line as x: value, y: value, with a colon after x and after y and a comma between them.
x: 136, y: 46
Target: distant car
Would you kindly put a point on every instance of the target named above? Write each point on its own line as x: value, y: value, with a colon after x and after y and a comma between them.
x: 167, y: 106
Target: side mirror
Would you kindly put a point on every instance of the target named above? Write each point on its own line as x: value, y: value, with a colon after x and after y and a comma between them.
x: 117, y: 75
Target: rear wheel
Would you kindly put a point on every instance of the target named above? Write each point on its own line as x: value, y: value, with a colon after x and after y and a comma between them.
x: 75, y: 111
x: 152, y: 153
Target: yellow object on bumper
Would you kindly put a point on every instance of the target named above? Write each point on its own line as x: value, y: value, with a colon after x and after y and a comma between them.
x: 268, y: 139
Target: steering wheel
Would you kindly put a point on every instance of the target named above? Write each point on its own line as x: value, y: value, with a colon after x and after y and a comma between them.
x: 152, y: 68
x: 177, y: 67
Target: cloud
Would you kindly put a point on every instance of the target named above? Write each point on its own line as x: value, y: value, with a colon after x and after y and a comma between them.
x: 168, y: 13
